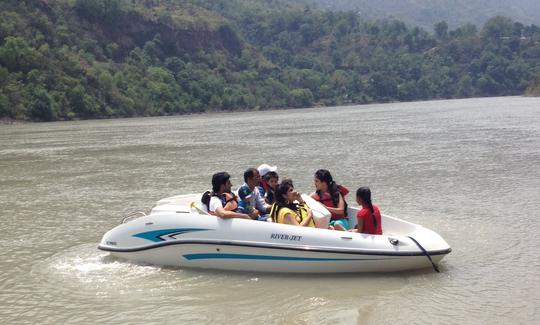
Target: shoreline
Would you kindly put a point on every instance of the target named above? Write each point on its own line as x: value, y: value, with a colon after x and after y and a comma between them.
x: 10, y: 121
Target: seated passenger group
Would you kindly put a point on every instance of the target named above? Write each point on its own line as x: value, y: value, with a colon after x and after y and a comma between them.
x: 262, y: 198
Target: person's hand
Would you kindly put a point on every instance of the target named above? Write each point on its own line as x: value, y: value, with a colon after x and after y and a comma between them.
x: 254, y: 214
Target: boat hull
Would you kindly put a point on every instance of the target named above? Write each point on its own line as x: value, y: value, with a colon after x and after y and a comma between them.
x: 178, y: 236
x: 242, y: 258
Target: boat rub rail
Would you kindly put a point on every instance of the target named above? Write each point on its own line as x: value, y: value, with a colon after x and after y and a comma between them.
x: 275, y: 246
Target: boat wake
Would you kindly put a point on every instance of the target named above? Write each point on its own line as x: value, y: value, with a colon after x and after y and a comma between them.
x: 83, y: 267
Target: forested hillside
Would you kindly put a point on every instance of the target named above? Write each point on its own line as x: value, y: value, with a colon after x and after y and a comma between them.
x: 426, y: 13
x: 70, y: 59
x: 534, y: 88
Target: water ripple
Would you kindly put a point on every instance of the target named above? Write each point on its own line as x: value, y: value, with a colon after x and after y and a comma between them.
x: 465, y: 168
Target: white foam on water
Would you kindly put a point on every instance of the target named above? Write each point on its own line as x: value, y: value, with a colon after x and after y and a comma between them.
x: 85, y: 268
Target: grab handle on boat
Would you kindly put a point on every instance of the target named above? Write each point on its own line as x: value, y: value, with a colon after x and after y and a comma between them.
x: 425, y: 253
x: 133, y: 215
x: 196, y: 208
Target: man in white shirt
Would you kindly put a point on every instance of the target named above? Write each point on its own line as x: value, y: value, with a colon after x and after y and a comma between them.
x: 221, y: 202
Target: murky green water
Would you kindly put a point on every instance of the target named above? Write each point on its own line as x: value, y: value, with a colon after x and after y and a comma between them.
x: 468, y: 169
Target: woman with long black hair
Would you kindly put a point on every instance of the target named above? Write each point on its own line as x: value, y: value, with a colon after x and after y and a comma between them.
x: 329, y: 193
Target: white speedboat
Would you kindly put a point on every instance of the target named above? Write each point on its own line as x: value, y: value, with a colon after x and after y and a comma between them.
x: 178, y: 233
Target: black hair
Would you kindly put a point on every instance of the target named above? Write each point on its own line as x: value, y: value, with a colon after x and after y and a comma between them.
x: 281, y: 198
x: 249, y: 173
x: 364, y: 193
x: 281, y: 191
x: 218, y: 179
x: 271, y: 175
x: 324, y: 176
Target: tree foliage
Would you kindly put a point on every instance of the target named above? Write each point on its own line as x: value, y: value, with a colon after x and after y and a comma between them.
x: 104, y: 58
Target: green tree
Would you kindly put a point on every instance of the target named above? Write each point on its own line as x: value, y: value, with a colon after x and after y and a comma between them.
x: 71, y: 59
x: 105, y: 11
x: 465, y: 86
x: 17, y: 55
x: 42, y: 106
x: 497, y: 28
x: 488, y: 86
x: 83, y: 104
x: 441, y: 30
x: 382, y: 86
x: 534, y: 87
x: 4, y: 104
x: 300, y: 98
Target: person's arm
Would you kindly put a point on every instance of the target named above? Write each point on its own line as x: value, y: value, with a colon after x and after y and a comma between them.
x: 217, y: 209
x: 260, y: 203
x: 307, y: 220
x: 226, y: 214
x: 290, y: 219
x: 254, y: 214
x: 340, y: 208
x: 298, y: 197
x: 359, y: 223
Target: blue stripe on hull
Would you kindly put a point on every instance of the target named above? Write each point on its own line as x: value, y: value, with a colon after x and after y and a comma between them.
x: 209, y: 256
x: 156, y: 235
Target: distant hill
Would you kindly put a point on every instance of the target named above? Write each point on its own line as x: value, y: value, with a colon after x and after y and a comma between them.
x: 426, y: 13
x: 77, y: 59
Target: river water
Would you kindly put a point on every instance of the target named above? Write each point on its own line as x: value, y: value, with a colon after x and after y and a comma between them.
x: 468, y: 169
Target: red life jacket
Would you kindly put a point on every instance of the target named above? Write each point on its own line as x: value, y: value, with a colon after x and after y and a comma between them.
x: 326, y: 199
x: 343, y: 190
x: 264, y: 184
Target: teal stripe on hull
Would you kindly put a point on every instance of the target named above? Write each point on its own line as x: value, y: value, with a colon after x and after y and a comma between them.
x: 156, y: 235
x: 210, y: 256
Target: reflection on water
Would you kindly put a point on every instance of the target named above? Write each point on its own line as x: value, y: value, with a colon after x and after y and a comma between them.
x: 465, y: 168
